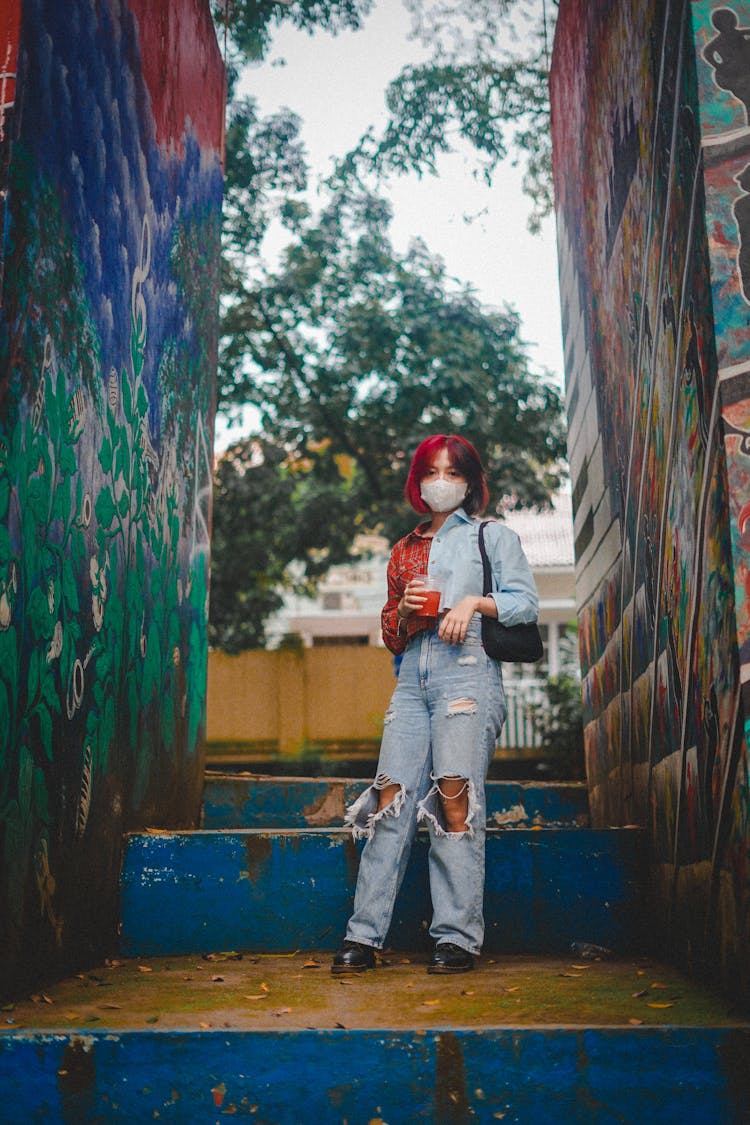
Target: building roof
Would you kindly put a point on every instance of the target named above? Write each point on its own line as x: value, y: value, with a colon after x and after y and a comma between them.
x: 547, y: 537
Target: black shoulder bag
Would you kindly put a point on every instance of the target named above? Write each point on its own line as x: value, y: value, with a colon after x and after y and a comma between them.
x: 516, y: 644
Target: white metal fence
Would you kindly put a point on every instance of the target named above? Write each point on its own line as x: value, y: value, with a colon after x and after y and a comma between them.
x: 522, y: 699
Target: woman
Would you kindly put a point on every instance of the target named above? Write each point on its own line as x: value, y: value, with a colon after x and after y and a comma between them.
x: 446, y: 713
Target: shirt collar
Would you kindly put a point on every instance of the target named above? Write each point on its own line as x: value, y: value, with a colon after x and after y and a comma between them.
x: 459, y: 514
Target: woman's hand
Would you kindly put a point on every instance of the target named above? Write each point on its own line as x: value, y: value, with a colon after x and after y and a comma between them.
x: 455, y: 621
x: 412, y: 599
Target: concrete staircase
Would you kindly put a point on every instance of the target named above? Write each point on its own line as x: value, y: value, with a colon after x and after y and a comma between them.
x: 220, y: 1003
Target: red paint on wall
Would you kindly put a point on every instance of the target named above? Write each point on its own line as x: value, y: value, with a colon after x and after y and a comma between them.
x: 10, y: 28
x: 177, y: 37
x: 568, y: 93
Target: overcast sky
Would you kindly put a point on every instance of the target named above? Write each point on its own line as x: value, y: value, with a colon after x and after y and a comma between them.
x: 336, y: 84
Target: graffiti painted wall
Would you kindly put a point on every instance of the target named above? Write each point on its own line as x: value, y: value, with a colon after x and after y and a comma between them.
x: 110, y: 161
x: 652, y: 170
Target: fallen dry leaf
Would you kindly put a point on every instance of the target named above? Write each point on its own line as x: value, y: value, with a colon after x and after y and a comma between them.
x: 656, y: 1004
x: 467, y: 992
x: 145, y: 969
x: 204, y: 1025
x: 311, y: 964
x: 573, y: 976
x: 640, y: 995
x: 217, y: 980
x: 281, y: 1011
x: 581, y: 966
x: 635, y: 1022
x: 430, y: 1003
x: 256, y: 996
x: 264, y: 986
x: 110, y: 1007
x: 658, y: 984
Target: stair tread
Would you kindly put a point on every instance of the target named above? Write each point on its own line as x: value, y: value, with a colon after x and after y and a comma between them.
x: 257, y: 800
x: 262, y: 992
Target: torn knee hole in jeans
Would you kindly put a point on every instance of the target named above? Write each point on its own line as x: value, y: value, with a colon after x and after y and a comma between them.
x: 452, y: 777
x: 363, y: 815
x: 430, y: 809
x: 464, y: 706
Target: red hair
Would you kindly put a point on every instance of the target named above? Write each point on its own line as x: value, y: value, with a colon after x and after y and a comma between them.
x: 464, y: 457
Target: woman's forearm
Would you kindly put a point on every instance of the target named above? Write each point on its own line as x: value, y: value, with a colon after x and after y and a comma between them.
x: 487, y: 607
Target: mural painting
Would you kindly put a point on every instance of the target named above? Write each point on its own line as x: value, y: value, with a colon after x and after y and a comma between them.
x: 649, y: 128
x: 108, y: 328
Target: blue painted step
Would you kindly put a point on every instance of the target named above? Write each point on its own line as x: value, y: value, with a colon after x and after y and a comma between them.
x: 281, y: 891
x: 232, y: 801
x: 526, y: 1076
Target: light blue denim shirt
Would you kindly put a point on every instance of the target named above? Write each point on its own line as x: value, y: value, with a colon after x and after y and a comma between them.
x: 455, y: 558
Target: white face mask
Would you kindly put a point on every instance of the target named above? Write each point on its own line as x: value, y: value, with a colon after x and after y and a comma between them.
x: 443, y: 495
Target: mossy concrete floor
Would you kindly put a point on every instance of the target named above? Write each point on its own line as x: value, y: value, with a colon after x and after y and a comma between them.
x: 260, y: 992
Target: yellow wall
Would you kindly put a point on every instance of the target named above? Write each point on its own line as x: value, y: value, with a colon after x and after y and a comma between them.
x: 287, y: 700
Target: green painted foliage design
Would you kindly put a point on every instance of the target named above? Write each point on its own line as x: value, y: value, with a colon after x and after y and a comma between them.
x: 103, y: 554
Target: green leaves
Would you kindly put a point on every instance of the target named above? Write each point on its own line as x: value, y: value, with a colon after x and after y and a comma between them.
x: 105, y: 508
x: 352, y: 354
x: 105, y: 455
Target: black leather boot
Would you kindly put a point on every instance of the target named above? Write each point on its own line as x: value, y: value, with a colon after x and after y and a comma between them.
x: 353, y: 957
x: 450, y: 958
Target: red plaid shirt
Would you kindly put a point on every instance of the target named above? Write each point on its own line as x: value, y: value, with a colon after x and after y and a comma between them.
x: 408, y: 558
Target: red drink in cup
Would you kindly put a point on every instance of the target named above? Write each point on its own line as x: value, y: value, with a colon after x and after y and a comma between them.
x: 432, y: 588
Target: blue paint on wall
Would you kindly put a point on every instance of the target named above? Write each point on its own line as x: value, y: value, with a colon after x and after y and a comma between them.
x: 108, y: 335
x: 269, y: 802
x: 524, y: 1076
x: 282, y: 891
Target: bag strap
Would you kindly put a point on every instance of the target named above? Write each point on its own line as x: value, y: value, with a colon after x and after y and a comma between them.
x: 486, y: 569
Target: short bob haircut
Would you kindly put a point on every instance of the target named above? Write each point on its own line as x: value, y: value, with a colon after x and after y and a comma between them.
x: 464, y: 458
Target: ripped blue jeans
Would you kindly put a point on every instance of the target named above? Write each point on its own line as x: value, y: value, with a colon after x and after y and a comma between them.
x: 443, y: 721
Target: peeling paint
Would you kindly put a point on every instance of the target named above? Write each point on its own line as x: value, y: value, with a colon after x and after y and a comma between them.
x: 451, y: 1097
x: 329, y: 809
x: 258, y: 850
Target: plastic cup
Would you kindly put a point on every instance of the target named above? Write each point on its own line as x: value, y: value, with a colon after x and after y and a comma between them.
x: 432, y: 589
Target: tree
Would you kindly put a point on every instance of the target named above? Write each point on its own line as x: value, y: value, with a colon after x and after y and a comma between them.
x: 486, y: 82
x: 250, y: 23
x: 351, y: 354
x: 255, y: 537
